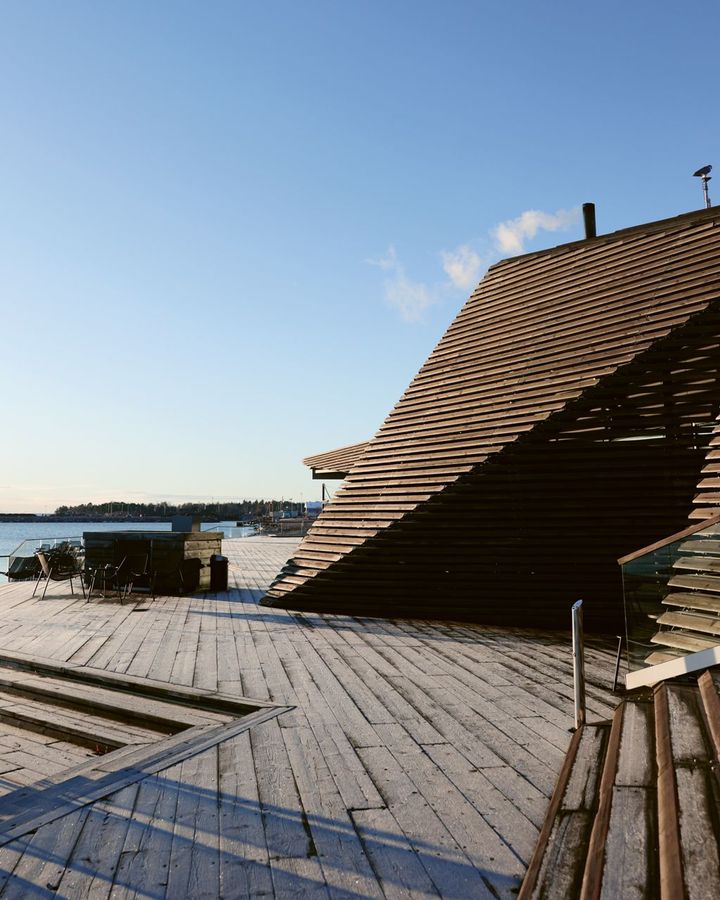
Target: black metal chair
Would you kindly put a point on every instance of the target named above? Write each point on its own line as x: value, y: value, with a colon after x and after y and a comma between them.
x: 108, y: 576
x: 137, y: 575
x: 58, y: 567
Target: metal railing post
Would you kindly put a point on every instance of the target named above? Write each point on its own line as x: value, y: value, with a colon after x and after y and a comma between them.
x: 578, y: 662
x: 617, y: 663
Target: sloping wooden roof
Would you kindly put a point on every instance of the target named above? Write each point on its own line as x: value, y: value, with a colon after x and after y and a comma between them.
x: 340, y: 460
x: 537, y: 337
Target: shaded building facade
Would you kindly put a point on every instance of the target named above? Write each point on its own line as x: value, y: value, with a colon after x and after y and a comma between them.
x: 564, y: 419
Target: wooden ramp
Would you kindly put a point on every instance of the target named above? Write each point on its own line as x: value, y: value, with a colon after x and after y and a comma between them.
x: 636, y: 810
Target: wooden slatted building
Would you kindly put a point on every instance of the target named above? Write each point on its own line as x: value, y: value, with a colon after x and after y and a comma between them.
x: 335, y: 463
x: 562, y: 421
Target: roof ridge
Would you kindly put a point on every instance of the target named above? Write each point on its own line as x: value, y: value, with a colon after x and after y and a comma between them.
x: 683, y: 220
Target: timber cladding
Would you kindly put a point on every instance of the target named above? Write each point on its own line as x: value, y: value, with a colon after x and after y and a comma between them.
x: 337, y: 462
x: 562, y: 421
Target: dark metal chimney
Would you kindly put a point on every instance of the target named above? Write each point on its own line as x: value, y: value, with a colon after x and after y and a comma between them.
x: 589, y: 219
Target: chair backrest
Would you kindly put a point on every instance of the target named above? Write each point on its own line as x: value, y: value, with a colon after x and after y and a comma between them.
x: 137, y: 564
x: 135, y: 554
x: 44, y: 565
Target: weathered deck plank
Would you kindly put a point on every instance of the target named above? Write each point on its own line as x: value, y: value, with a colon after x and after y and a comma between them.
x: 418, y: 760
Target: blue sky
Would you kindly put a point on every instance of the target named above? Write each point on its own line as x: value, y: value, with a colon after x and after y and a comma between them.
x: 230, y: 233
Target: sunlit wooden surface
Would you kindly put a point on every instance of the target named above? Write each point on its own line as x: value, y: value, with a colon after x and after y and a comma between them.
x: 418, y: 761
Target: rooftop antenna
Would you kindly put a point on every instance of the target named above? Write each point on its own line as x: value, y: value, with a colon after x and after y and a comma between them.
x: 704, y: 173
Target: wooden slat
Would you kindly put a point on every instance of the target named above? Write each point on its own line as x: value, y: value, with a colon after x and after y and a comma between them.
x: 340, y: 460
x: 683, y: 641
x: 558, y: 832
x: 694, y: 600
x: 691, y: 621
x: 696, y: 795
x: 698, y: 564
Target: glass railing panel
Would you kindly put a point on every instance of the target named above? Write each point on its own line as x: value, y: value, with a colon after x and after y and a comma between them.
x: 22, y: 563
x: 30, y: 547
x: 230, y: 530
x: 672, y: 597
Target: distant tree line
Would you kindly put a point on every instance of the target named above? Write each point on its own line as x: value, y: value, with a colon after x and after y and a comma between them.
x: 209, y: 512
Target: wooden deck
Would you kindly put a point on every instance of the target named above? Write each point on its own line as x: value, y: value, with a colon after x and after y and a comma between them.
x: 418, y: 761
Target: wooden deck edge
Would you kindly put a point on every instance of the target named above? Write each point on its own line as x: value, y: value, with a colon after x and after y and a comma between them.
x: 163, y: 717
x: 68, y: 796
x: 161, y: 690
x: 89, y: 736
x: 533, y: 870
x: 592, y: 878
x: 711, y: 702
x: 671, y: 872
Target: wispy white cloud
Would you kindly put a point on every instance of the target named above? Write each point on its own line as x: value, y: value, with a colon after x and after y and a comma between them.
x: 410, y: 298
x: 465, y: 265
x: 510, y: 236
x: 386, y: 262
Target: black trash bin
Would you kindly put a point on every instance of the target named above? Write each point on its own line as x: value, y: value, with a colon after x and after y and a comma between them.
x: 218, y: 572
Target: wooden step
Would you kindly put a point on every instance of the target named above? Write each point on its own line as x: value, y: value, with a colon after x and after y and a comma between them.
x: 694, y: 600
x: 682, y: 641
x: 619, y: 859
x: 655, y: 830
x: 181, y: 695
x: 698, y: 564
x: 557, y: 866
x: 709, y: 684
x: 166, y: 718
x: 687, y: 804
x: 692, y: 621
x: 696, y: 582
x: 88, y: 731
x: 700, y: 546
x: 662, y: 656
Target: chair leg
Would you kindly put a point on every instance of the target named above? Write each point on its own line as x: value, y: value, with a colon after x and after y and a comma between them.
x: 81, y: 576
x: 37, y: 582
x: 72, y: 589
x: 47, y: 582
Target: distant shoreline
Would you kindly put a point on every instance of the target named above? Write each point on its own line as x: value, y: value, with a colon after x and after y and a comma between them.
x: 51, y: 517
